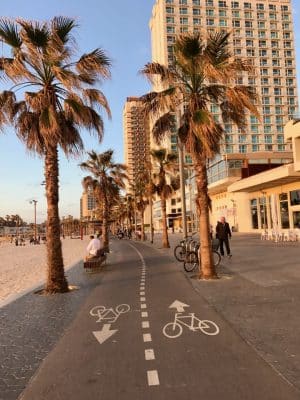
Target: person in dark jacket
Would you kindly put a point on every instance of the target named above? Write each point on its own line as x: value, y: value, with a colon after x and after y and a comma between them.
x: 223, y: 233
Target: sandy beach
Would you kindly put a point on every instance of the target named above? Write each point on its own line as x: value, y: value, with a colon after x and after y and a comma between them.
x: 22, y: 267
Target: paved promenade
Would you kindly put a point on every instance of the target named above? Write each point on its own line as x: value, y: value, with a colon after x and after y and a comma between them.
x: 259, y: 294
x: 255, y: 303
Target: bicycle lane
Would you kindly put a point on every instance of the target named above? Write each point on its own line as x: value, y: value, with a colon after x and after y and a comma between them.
x: 105, y: 359
x: 195, y: 364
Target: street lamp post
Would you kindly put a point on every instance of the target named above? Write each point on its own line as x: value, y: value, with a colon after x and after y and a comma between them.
x: 34, y: 204
x: 182, y: 187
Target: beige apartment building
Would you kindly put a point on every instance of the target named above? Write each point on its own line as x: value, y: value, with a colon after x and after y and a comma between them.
x: 262, y: 32
x: 88, y: 205
x: 136, y: 139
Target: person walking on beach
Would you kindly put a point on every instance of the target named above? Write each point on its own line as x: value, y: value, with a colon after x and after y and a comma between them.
x: 223, y: 233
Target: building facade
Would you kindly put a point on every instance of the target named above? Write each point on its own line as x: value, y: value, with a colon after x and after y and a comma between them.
x: 136, y: 131
x: 88, y: 205
x: 262, y: 32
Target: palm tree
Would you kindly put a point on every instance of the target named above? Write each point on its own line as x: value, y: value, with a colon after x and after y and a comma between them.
x: 62, y: 100
x: 167, y: 164
x: 204, y: 72
x: 106, y: 181
x: 140, y: 192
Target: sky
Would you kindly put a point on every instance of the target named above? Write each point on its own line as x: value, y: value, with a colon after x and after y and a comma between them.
x: 121, y: 28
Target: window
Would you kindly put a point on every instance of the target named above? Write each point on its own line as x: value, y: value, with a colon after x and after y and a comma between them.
x: 222, y: 4
x: 196, y: 2
x: 236, y: 23
x: 267, y: 120
x: 209, y: 12
x: 235, y: 4
x: 260, y: 6
x: 183, y: 2
x: 196, y: 21
x: 247, y: 5
x: 170, y: 29
x: 284, y: 211
x: 183, y: 10
x: 184, y: 20
x: 267, y: 128
x: 280, y: 139
x: 254, y: 213
x: 170, y: 20
x: 255, y: 147
x: 242, y: 148
x: 210, y: 21
x: 196, y: 11
x: 222, y: 22
x: 170, y: 10
x: 254, y: 139
x: 296, y: 219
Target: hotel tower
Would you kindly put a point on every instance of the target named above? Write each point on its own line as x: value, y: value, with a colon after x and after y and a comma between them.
x: 262, y: 32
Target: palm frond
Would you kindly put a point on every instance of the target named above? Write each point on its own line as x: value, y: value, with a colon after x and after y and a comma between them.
x: 163, y: 125
x: 9, y: 33
x: 96, y: 61
x: 34, y: 33
x: 62, y: 27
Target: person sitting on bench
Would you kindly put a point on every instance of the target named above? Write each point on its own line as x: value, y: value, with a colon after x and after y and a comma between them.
x: 93, y: 247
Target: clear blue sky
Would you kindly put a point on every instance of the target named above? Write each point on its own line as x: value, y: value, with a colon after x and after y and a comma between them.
x: 121, y: 28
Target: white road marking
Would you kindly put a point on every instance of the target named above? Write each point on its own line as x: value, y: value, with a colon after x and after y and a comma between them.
x: 144, y: 314
x: 143, y: 299
x: 145, y: 324
x: 149, y: 354
x: 143, y: 305
x: 104, y: 334
x: 152, y: 378
x: 142, y: 293
x: 147, y: 337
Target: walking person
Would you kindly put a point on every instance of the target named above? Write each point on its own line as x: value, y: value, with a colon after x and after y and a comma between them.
x: 223, y: 233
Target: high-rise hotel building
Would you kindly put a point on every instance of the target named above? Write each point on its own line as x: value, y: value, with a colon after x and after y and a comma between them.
x: 136, y: 138
x: 262, y: 32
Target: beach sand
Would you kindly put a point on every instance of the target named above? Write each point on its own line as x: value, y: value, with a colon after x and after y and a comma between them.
x: 23, y: 267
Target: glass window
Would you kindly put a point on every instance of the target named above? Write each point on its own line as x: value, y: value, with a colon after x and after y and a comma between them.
x: 295, y: 197
x: 284, y: 211
x: 296, y: 219
x: 254, y: 213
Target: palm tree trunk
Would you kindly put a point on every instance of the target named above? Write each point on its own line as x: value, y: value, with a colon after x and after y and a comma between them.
x: 206, y: 267
x: 56, y: 281
x: 165, y: 238
x: 142, y: 226
x: 105, y: 223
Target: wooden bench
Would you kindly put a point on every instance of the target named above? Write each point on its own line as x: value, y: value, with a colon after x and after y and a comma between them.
x: 94, y: 263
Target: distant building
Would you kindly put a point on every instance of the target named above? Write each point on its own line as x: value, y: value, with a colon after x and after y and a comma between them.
x: 88, y: 205
x: 136, y: 139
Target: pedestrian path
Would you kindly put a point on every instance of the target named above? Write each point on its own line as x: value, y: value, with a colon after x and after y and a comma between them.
x: 199, y: 355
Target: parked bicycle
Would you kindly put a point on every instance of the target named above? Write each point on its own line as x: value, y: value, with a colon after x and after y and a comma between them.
x: 184, y: 246
x: 192, y: 257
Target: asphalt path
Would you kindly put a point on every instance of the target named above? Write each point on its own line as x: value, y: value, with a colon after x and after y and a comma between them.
x: 120, y: 346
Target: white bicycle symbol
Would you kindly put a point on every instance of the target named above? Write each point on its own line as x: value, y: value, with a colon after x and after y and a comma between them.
x: 174, y: 329
x: 109, y: 314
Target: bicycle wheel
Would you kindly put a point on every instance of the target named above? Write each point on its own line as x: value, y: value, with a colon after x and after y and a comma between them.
x: 179, y: 253
x: 216, y: 258
x: 97, y: 311
x: 190, y: 261
x: 208, y: 327
x: 122, y: 308
x: 172, y: 330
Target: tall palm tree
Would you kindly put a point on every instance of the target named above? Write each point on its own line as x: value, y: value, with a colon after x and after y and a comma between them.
x: 140, y: 192
x: 55, y: 100
x: 204, y: 72
x: 106, y: 181
x: 164, y: 183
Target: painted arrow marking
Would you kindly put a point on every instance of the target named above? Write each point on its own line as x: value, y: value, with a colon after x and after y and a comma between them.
x: 105, y: 333
x: 178, y: 305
